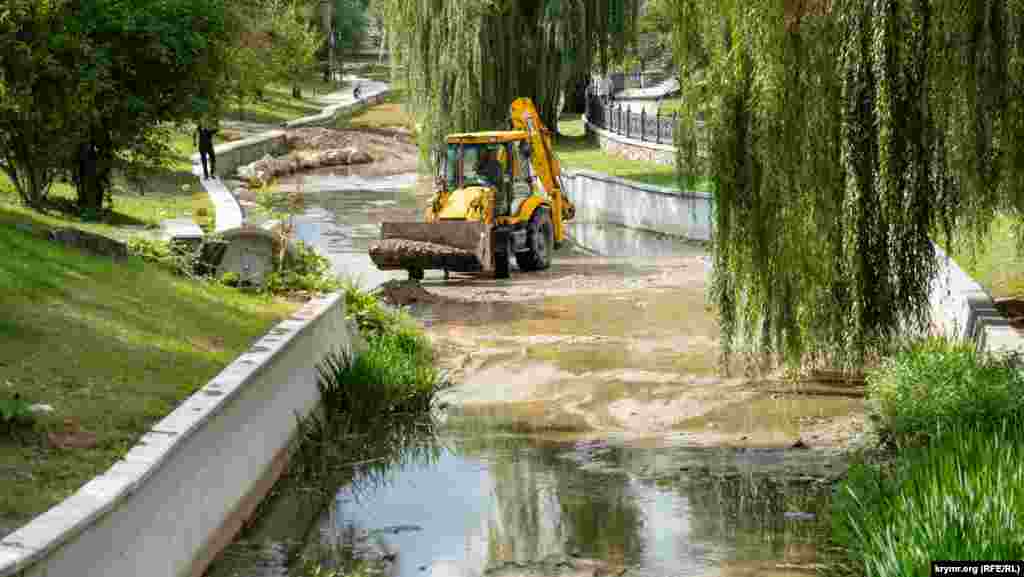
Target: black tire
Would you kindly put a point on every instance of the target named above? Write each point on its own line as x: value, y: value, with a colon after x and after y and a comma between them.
x: 501, y: 258
x: 540, y: 239
x: 416, y: 274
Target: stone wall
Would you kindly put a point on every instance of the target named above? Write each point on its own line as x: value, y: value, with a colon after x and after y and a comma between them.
x: 631, y: 149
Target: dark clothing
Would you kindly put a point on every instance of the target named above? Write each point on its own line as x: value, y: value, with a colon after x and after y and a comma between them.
x: 206, y: 150
x: 356, y: 92
x: 490, y: 169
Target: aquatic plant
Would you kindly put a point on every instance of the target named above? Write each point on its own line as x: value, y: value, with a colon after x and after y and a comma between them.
x: 375, y: 405
x: 961, y: 497
x: 933, y: 384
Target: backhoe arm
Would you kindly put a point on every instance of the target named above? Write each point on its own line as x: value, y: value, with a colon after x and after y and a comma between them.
x: 526, y: 118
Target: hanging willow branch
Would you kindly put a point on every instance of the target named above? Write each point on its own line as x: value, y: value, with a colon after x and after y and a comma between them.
x: 842, y: 136
x: 465, y: 61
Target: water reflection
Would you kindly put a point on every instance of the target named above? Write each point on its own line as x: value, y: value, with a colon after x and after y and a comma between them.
x: 488, y: 503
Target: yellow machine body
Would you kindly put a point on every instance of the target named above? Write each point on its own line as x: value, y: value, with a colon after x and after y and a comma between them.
x: 509, y: 182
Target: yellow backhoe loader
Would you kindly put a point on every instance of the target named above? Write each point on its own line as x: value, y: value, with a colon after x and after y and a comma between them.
x: 497, y: 194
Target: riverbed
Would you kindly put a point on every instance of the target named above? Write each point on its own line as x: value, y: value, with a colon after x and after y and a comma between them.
x: 590, y: 429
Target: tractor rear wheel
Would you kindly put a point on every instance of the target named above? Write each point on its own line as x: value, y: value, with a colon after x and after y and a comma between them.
x: 540, y: 240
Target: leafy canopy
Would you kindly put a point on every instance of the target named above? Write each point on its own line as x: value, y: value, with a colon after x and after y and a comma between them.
x: 841, y: 137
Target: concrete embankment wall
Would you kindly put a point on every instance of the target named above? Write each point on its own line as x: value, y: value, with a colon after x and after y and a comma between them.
x: 181, y: 494
x: 600, y: 198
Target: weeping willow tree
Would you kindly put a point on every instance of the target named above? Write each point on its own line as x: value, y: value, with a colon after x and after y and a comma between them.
x: 465, y: 61
x: 842, y: 137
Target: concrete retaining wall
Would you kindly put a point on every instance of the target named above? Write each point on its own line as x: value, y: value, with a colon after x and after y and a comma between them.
x: 600, y: 198
x: 630, y: 148
x: 180, y: 494
x: 962, y: 309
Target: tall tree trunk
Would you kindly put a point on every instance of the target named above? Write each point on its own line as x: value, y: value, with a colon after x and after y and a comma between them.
x: 92, y: 171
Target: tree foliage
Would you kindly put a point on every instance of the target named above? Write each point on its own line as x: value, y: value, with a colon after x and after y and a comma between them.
x: 88, y: 86
x: 39, y: 89
x: 350, y: 23
x: 295, y: 41
x: 465, y: 60
x: 842, y: 136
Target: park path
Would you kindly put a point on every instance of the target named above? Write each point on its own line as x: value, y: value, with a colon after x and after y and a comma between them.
x: 341, y: 96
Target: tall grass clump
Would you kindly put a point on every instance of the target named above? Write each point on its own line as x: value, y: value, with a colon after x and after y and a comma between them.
x: 959, y: 498
x: 934, y: 384
x: 375, y: 405
x: 950, y: 483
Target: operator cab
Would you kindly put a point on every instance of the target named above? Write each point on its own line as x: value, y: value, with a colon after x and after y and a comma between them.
x: 503, y: 165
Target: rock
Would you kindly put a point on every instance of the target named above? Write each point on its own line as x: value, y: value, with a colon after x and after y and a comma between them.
x: 72, y: 437
x: 41, y: 408
x: 799, y: 444
x: 249, y: 253
x: 356, y: 156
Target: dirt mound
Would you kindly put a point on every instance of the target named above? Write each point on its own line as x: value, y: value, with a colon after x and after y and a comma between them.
x: 319, y: 139
x: 404, y: 292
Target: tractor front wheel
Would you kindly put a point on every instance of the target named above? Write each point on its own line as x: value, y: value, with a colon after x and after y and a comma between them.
x: 540, y: 240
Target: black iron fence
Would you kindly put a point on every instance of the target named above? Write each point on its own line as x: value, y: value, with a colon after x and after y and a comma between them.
x: 614, y: 117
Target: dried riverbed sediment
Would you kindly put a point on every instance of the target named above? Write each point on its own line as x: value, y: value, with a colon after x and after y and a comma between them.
x: 597, y: 345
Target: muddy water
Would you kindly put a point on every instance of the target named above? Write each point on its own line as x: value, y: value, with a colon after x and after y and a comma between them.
x: 590, y: 430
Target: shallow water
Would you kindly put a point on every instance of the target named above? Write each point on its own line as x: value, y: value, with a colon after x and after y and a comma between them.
x: 491, y: 500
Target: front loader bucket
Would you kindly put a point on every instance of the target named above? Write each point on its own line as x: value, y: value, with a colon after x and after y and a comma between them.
x: 458, y: 246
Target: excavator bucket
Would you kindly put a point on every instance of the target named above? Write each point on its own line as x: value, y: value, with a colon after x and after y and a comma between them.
x: 458, y: 246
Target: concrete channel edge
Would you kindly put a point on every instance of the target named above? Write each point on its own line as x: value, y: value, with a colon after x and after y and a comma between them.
x: 155, y: 510
x: 138, y: 517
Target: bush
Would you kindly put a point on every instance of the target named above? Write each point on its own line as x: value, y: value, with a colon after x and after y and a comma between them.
x: 15, y: 412
x: 180, y: 262
x: 962, y: 497
x: 306, y: 270
x: 935, y: 384
x: 375, y: 406
x: 374, y: 319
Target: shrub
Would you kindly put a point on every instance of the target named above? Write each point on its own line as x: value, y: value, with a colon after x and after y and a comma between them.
x: 934, y: 384
x: 962, y: 497
x: 179, y: 261
x: 15, y: 412
x: 375, y: 406
x: 306, y: 270
x: 374, y: 319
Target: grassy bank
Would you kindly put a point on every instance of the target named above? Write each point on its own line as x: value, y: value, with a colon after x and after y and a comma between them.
x: 278, y: 105
x: 949, y: 483
x: 997, y: 265
x: 575, y: 150
x: 111, y: 346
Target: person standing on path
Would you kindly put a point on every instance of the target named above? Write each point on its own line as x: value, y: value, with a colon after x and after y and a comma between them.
x: 204, y: 136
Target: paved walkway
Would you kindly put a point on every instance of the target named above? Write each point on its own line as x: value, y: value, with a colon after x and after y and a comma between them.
x: 338, y: 97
